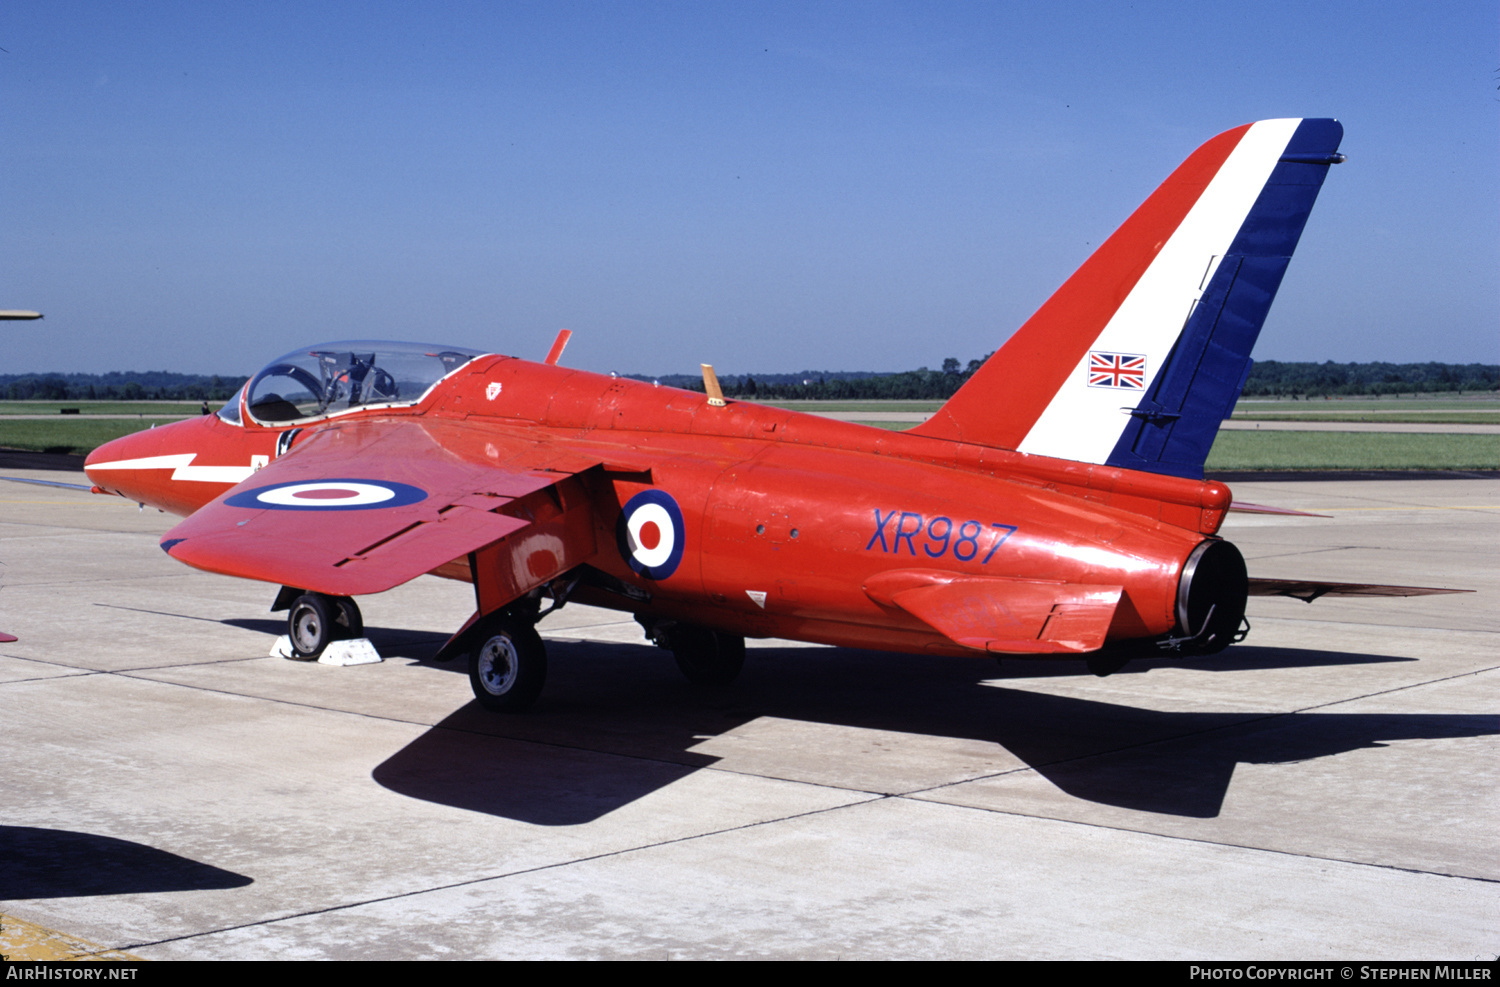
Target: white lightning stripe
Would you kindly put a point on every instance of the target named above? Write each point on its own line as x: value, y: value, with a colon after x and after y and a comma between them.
x: 1084, y: 424
x: 180, y: 465
x: 149, y: 463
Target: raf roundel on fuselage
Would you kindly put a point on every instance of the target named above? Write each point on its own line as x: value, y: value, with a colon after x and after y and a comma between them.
x: 651, y: 534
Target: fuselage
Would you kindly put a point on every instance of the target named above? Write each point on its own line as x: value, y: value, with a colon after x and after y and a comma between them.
x: 786, y: 517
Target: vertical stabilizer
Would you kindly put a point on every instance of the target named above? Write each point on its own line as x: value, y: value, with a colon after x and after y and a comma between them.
x: 1136, y: 359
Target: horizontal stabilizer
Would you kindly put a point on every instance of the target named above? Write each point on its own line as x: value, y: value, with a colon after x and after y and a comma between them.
x: 1240, y: 507
x: 996, y: 614
x: 1308, y: 591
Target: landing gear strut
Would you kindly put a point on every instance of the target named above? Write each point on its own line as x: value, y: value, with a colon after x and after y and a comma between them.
x: 314, y: 621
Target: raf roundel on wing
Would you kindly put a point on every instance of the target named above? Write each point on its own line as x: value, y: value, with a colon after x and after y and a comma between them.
x: 651, y: 534
x: 329, y: 495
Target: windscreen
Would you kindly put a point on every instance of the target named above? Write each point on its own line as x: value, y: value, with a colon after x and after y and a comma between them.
x: 231, y: 410
x: 335, y: 377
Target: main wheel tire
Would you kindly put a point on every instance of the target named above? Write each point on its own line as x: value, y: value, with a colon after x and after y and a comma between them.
x: 507, y: 665
x: 310, y: 624
x: 708, y: 658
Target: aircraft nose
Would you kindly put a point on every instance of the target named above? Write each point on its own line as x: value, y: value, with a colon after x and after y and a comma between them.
x: 112, y: 451
x: 117, y: 466
x: 141, y: 466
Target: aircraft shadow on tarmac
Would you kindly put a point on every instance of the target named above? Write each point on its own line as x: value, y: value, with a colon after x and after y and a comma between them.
x: 617, y: 723
x: 59, y: 863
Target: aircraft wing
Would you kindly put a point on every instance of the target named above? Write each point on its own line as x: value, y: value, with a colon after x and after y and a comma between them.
x: 1001, y: 615
x: 1242, y: 507
x: 360, y: 507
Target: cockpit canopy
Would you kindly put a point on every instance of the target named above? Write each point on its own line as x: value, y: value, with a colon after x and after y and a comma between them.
x: 330, y: 378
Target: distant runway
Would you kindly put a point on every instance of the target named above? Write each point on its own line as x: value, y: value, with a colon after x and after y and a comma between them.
x: 1238, y: 424
x: 1328, y: 789
x: 916, y: 417
x: 74, y: 418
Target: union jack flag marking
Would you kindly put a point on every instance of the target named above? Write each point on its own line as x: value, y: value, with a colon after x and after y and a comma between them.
x: 1126, y: 371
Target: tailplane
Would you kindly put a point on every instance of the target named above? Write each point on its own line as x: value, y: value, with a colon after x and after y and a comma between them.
x: 1140, y: 355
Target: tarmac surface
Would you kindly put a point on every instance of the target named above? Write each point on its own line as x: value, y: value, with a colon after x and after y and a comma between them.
x: 1328, y: 789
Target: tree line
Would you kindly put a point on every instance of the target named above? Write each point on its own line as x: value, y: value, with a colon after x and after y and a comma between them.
x: 1274, y: 378
x: 151, y: 385
x: 1269, y: 378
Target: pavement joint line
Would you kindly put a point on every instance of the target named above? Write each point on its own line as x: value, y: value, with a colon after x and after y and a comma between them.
x: 1402, y: 688
x: 435, y: 634
x: 8, y: 500
x: 126, y: 672
x: 159, y: 613
x: 1456, y: 507
x: 1361, y: 623
x: 1307, y: 551
x: 913, y: 794
x: 44, y: 678
x: 556, y: 865
x: 140, y: 674
x: 73, y: 531
x: 1250, y: 718
x: 1177, y: 837
x: 77, y: 672
x: 87, y: 581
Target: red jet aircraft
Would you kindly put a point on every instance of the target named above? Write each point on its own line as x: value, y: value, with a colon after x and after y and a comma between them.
x: 1054, y: 507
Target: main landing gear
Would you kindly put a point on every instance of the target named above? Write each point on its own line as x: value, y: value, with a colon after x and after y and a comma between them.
x: 507, y: 663
x: 711, y: 659
x: 315, y: 620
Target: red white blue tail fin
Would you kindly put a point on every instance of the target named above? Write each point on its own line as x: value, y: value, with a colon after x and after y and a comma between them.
x: 1136, y: 359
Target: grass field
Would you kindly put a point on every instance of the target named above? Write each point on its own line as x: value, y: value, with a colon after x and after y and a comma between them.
x: 104, y: 407
x: 1352, y: 451
x: 1476, y: 409
x: 76, y: 436
x: 1479, y: 409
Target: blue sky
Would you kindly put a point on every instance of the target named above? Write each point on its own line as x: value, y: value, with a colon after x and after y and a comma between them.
x: 764, y: 186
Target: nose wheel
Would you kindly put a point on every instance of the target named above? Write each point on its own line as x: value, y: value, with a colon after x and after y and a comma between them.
x: 316, y: 620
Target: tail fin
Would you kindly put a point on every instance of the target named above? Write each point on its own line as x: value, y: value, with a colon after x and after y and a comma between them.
x: 1136, y: 359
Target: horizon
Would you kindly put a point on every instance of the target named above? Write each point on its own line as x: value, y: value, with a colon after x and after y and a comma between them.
x: 731, y: 374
